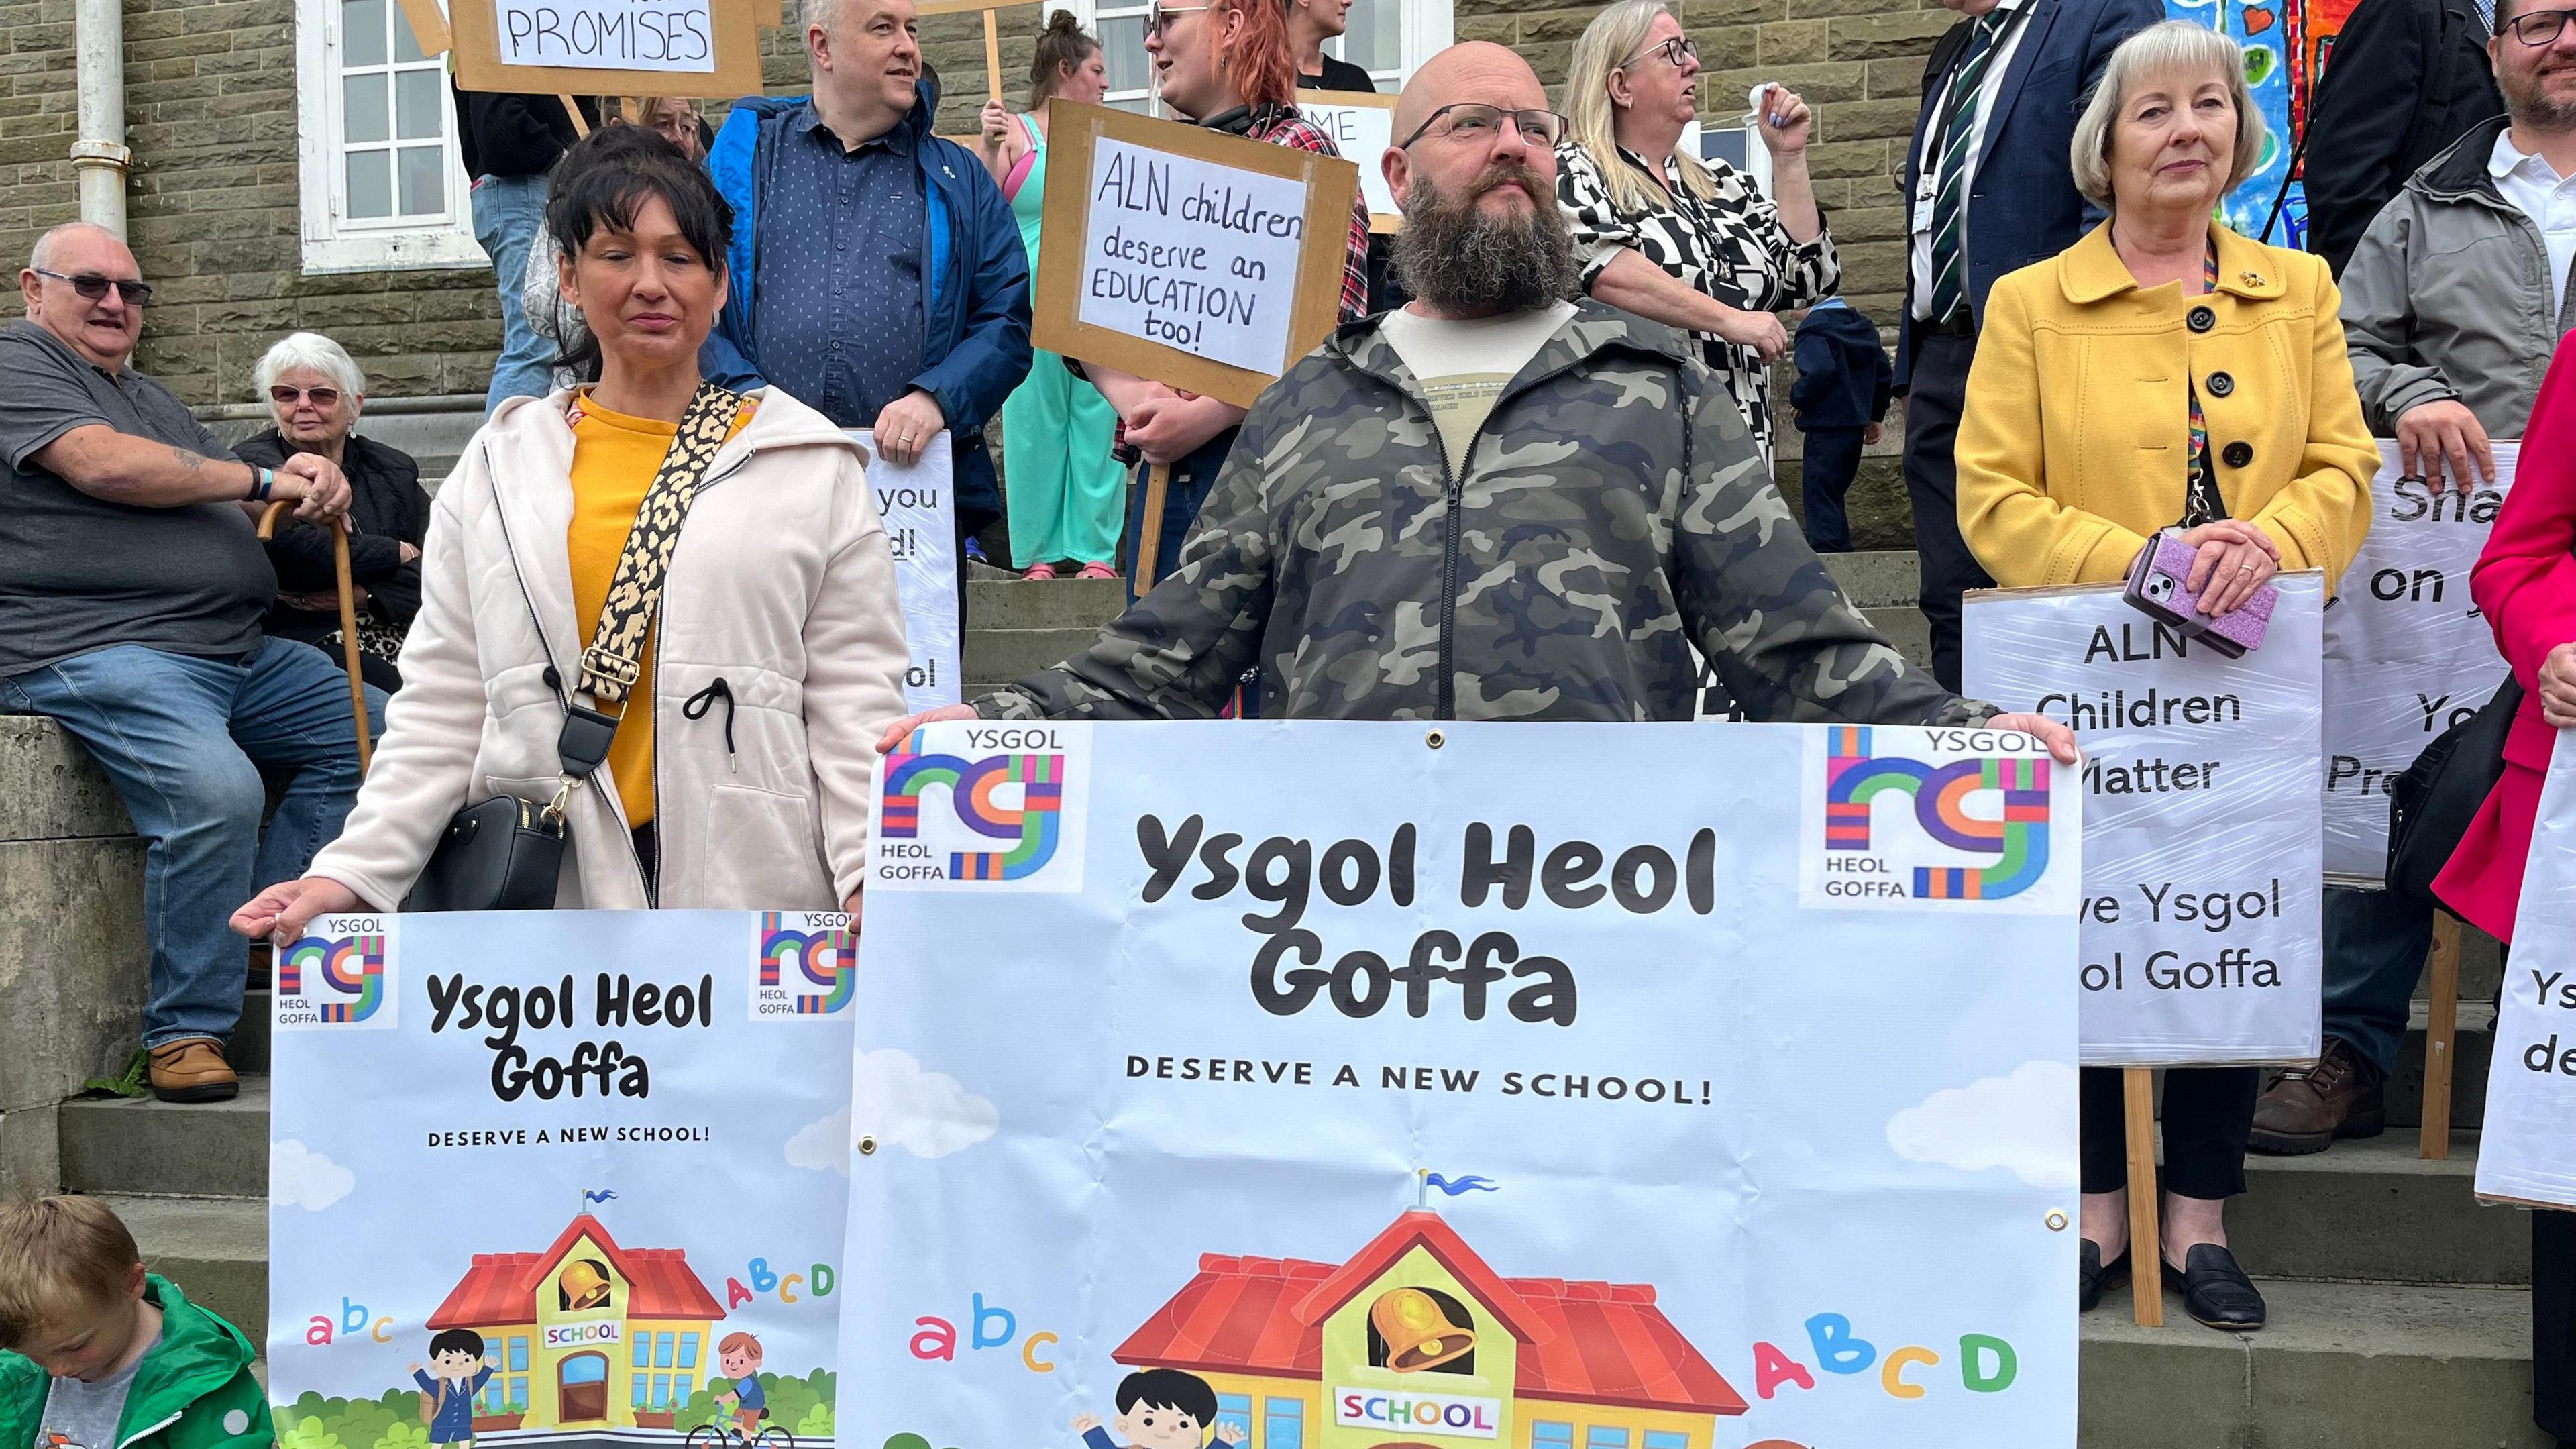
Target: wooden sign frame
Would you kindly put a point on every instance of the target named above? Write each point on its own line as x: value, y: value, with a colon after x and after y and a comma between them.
x: 1072, y: 135
x: 428, y: 25
x: 1381, y: 222
x: 992, y: 32
x: 475, y: 35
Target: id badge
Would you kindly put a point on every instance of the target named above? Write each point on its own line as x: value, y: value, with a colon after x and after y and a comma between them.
x: 1923, y: 188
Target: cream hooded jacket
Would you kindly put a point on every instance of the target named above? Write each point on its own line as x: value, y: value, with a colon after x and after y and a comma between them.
x: 781, y: 590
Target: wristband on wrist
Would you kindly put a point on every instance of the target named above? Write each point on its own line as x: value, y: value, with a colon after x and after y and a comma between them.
x: 261, y: 481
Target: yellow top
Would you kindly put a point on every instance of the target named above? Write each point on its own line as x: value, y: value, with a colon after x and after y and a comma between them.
x: 614, y: 458
x: 2076, y: 435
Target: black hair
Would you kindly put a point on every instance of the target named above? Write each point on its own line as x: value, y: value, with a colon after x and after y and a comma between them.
x: 1182, y: 1393
x: 456, y: 1340
x: 604, y: 180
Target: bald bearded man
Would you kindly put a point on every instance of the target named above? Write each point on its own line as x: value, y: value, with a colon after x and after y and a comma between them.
x: 1495, y: 503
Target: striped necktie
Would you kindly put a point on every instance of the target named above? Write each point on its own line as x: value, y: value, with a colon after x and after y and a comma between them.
x: 1949, y: 293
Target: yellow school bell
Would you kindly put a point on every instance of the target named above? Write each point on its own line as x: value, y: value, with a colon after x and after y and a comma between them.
x: 1418, y: 1334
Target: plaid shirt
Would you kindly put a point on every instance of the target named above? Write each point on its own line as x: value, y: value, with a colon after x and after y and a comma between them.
x: 1286, y: 126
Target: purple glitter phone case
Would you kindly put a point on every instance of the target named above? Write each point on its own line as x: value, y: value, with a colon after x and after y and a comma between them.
x: 2156, y: 589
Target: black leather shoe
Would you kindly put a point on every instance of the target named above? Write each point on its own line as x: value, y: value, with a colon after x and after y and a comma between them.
x: 2098, y: 1278
x: 2215, y: 1291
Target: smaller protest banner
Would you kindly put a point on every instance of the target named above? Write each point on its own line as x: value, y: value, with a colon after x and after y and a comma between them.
x: 2406, y: 653
x: 2527, y: 1154
x: 1204, y: 261
x: 919, y: 506
x: 606, y: 47
x: 1362, y: 125
x: 2202, y: 875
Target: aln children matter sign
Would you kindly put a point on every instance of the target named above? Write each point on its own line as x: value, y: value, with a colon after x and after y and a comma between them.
x: 1328, y: 1086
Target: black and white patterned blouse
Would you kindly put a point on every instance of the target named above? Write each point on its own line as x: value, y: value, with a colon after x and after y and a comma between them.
x: 1731, y: 247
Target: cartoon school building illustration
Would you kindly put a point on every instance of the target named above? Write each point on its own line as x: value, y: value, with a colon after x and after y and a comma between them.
x: 1416, y: 1344
x: 586, y: 1333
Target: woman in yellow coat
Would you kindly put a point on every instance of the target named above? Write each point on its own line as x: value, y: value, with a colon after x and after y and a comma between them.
x: 2165, y: 371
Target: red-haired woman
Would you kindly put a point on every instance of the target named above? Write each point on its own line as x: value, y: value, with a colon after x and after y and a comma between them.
x: 1225, y: 65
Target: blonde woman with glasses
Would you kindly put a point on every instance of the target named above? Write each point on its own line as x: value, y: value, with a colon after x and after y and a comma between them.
x: 1689, y: 243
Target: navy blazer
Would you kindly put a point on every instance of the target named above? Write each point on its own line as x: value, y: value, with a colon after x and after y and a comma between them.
x: 1843, y: 375
x: 2022, y: 203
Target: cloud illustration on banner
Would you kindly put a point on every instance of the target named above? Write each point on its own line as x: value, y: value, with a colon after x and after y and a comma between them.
x: 925, y: 1113
x: 822, y: 1146
x: 301, y: 1177
x: 2024, y: 1123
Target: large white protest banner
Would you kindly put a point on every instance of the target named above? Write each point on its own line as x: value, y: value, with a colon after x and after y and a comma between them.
x: 2407, y: 654
x: 1465, y: 1085
x: 919, y: 506
x: 2527, y: 1152
x: 575, y: 1176
x: 2202, y: 874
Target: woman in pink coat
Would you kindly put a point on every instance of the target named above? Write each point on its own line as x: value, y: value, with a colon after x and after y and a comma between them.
x: 2525, y: 583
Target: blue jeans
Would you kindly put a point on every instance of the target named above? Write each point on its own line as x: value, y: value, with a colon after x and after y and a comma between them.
x: 183, y: 739
x: 2375, y: 945
x: 1825, y: 475
x: 507, y: 212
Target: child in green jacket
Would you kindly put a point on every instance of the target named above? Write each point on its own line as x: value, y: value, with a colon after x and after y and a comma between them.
x: 95, y: 1353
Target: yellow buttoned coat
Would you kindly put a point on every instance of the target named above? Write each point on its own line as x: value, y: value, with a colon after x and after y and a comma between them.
x: 2075, y: 443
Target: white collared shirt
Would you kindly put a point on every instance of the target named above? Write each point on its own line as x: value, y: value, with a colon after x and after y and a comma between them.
x: 2539, y: 192
x: 1925, y: 163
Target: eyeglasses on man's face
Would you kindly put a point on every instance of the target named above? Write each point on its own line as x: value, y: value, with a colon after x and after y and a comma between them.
x: 1680, y: 50
x: 1472, y: 121
x: 2540, y: 26
x: 92, y: 287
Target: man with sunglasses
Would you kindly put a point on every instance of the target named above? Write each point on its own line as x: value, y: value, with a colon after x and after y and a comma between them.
x: 131, y: 589
x: 1494, y: 503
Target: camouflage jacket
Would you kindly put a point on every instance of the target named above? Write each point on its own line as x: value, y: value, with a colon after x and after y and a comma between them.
x: 1613, y: 511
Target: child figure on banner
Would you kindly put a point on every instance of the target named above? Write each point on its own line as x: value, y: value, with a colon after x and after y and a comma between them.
x: 456, y: 1373
x: 1160, y: 1409
x: 739, y: 1356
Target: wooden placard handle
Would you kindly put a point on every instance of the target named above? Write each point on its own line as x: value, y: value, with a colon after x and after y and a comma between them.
x: 348, y: 619
x: 2441, y: 1038
x: 1149, y: 532
x: 572, y: 108
x: 2146, y: 1241
x: 992, y: 56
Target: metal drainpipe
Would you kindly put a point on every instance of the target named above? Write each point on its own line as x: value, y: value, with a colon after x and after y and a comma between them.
x: 100, y: 157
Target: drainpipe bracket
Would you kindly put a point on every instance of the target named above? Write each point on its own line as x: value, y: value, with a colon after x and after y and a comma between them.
x: 102, y: 153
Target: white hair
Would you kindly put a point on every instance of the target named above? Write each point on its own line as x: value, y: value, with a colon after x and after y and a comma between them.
x: 2169, y: 47
x: 40, y: 257
x: 309, y: 350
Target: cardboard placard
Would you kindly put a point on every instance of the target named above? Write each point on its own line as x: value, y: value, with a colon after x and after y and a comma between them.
x: 692, y: 48
x: 1362, y: 125
x: 1173, y: 244
x: 428, y: 25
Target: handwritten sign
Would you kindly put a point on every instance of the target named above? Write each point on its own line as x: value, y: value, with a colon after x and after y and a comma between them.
x: 2527, y: 1154
x: 919, y: 506
x: 623, y: 47
x: 1362, y: 126
x: 1205, y: 261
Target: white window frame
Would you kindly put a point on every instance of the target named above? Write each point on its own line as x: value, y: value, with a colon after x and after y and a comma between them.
x: 332, y: 242
x: 1424, y: 29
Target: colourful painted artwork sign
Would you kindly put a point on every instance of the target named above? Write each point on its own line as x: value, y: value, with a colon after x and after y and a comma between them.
x: 1543, y: 1086
x: 572, y: 1178
x: 2286, y: 46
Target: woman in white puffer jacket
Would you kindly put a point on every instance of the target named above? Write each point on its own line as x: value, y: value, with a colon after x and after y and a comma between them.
x: 742, y: 766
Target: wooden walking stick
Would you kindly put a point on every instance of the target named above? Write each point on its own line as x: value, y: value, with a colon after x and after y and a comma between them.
x: 348, y: 620
x: 1149, y: 534
x: 2146, y: 1276
x: 2441, y: 1038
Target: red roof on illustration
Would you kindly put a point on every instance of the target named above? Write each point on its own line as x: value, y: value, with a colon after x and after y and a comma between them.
x: 1583, y: 1342
x: 501, y: 1288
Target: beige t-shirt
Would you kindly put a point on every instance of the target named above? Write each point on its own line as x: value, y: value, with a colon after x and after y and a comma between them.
x: 1464, y: 366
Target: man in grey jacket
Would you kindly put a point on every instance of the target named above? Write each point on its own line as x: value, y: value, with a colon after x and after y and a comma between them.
x: 2452, y: 305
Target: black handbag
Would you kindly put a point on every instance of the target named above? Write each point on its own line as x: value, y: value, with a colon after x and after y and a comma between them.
x: 506, y: 854
x: 2431, y: 804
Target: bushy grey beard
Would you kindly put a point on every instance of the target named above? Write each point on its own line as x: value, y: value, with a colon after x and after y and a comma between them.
x: 1459, y: 259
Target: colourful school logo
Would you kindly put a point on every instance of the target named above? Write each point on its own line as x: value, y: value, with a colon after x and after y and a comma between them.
x: 808, y: 965
x: 340, y: 976
x: 2008, y: 823
x: 1000, y: 810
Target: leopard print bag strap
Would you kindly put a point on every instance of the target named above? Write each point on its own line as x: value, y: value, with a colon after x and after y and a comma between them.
x: 610, y: 666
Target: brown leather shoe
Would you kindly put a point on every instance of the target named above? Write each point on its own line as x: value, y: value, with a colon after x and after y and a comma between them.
x: 2307, y: 1108
x: 193, y: 1069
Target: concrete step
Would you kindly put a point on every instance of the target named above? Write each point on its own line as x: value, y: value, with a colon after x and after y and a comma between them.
x: 2474, y: 1050
x: 218, y: 1149
x: 1011, y: 603
x: 2342, y: 1366
x: 1011, y: 653
x: 214, y: 1248
x: 249, y: 1049
x: 2371, y: 1209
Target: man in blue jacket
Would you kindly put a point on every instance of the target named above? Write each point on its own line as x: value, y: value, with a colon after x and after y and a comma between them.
x: 876, y: 271
x: 1990, y: 192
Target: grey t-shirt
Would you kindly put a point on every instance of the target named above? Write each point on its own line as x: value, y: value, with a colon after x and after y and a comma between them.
x: 79, y: 573
x: 85, y: 1414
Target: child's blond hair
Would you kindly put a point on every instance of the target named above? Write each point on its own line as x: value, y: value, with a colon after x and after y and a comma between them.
x: 62, y: 1259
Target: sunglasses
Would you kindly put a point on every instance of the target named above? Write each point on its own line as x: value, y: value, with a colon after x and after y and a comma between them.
x: 325, y: 398
x: 92, y: 287
x: 1158, y: 17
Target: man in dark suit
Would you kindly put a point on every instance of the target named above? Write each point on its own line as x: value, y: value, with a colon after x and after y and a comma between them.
x: 2409, y: 77
x: 1989, y: 191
